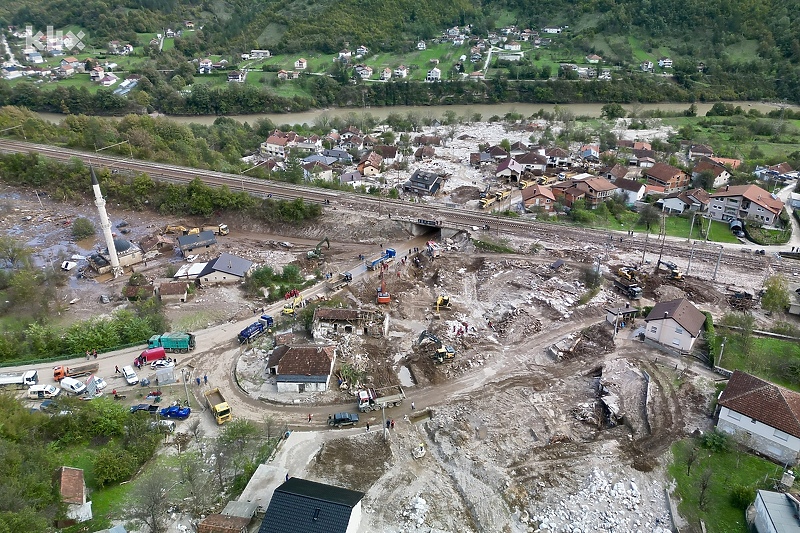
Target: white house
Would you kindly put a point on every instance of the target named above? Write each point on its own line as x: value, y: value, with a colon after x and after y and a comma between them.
x: 665, y: 62
x: 434, y: 74
x: 305, y: 368
x: 386, y: 74
x: 761, y: 415
x: 633, y: 190
x: 421, y: 45
x: 300, y: 64
x: 676, y: 324
x: 512, y: 46
x: 401, y: 71
x: 741, y: 202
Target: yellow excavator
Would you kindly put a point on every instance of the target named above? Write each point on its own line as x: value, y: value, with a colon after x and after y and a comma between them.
x: 180, y: 230
x: 444, y: 353
x: 442, y: 302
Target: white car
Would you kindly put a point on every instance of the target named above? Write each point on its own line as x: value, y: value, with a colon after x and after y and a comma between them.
x: 162, y: 363
x: 100, y: 383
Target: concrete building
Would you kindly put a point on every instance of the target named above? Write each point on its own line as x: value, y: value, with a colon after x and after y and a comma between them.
x: 671, y: 178
x: 302, y: 368
x: 72, y: 487
x: 743, y: 202
x: 331, y: 321
x: 762, y: 416
x: 200, y: 242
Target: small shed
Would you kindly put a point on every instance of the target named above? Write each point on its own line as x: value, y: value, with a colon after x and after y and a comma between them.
x: 620, y: 316
x: 173, y: 292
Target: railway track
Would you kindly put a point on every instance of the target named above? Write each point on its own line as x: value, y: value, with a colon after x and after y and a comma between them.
x: 455, y: 218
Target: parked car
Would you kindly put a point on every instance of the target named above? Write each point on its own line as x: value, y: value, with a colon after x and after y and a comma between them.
x: 144, y: 408
x: 162, y: 363
x: 73, y: 386
x: 343, y: 419
x: 130, y: 375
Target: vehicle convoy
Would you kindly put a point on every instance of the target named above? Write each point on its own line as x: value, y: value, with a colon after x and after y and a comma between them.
x: 339, y: 281
x: 173, y: 342
x: 342, y: 419
x: 19, y: 380
x: 672, y: 268
x: 61, y: 372
x: 387, y: 257
x: 444, y: 353
x: 376, y: 399
x: 316, y: 253
x: 631, y: 289
x: 218, y: 406
x: 251, y: 332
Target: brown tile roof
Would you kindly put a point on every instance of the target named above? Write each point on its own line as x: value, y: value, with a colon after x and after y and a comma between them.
x: 663, y: 172
x: 537, y: 190
x: 598, y: 184
x: 754, y: 193
x: 681, y: 311
x: 333, y: 313
x: 531, y: 158
x: 389, y: 152
x: 760, y: 400
x: 71, y: 485
x: 709, y: 164
x: 304, y: 360
x: 279, y: 141
x: 172, y: 289
x: 219, y: 523
x: 628, y: 185
x: 618, y: 171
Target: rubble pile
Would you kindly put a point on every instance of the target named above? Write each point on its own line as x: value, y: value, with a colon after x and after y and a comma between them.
x: 517, y: 325
x: 595, y: 341
x: 606, y: 503
x: 417, y: 510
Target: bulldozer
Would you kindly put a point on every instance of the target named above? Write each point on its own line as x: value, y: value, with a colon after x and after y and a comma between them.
x: 316, y: 253
x: 444, y: 353
x: 627, y: 273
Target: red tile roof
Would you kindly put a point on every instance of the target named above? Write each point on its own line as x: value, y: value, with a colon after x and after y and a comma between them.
x: 762, y: 401
x: 71, y: 485
x: 537, y: 190
x: 754, y: 193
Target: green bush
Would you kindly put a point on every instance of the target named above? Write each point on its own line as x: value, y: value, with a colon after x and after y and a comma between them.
x: 716, y: 441
x: 82, y: 228
x: 742, y: 496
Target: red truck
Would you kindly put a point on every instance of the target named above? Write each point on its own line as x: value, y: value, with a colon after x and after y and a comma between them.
x: 149, y: 355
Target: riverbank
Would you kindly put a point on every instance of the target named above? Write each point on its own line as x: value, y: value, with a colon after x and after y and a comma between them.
x: 486, y: 111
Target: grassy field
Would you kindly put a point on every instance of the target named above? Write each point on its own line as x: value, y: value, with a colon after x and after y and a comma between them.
x: 770, y: 359
x: 730, y: 469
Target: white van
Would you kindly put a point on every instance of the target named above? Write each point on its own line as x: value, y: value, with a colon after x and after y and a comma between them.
x: 73, y: 386
x: 129, y: 375
x: 43, y: 392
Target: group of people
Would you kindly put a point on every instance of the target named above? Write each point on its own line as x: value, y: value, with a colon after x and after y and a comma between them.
x: 90, y: 354
x: 205, y: 380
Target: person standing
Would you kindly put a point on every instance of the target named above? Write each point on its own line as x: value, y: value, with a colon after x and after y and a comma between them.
x: 205, y: 379
x: 198, y: 381
x: 309, y: 418
x: 413, y: 406
x: 367, y: 426
x: 116, y: 370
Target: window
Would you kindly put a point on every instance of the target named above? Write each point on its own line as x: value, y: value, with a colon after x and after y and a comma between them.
x: 654, y: 329
x: 733, y: 415
x: 679, y: 330
x: 780, y: 435
x: 676, y: 342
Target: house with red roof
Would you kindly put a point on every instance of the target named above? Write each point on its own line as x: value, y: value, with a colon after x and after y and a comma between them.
x: 745, y: 202
x: 538, y: 197
x: 663, y: 175
x: 72, y: 488
x: 762, y: 416
x: 676, y: 323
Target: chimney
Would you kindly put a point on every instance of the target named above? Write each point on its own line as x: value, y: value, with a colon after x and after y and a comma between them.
x: 627, y: 305
x: 726, y: 188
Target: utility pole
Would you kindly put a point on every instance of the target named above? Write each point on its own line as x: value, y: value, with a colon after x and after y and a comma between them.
x: 691, y: 228
x: 691, y: 255
x: 719, y: 257
x: 644, y: 250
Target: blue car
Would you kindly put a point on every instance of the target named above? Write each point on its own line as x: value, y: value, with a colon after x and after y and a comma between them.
x: 177, y: 412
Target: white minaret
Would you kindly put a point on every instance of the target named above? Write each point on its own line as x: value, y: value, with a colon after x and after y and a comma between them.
x: 105, y: 225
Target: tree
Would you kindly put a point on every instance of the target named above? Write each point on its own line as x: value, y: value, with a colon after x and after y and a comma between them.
x: 648, y: 216
x: 612, y: 111
x: 705, y: 180
x: 703, y: 484
x: 149, y: 503
x: 82, y: 228
x: 14, y: 254
x: 692, y: 455
x: 776, y: 295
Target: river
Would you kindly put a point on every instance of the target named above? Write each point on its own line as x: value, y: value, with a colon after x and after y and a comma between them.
x: 485, y: 110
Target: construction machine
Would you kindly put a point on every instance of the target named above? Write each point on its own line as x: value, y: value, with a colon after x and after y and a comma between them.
x: 316, y: 253
x: 289, y: 308
x: 383, y: 295
x: 502, y: 195
x: 524, y: 184
x: 672, y: 268
x: 485, y: 192
x: 486, y: 202
x: 444, y: 353
x: 627, y: 273
x: 180, y: 230
x: 442, y: 302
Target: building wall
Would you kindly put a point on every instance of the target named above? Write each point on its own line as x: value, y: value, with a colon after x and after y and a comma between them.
x: 763, y: 523
x: 308, y: 387
x: 355, y: 519
x: 220, y: 277
x: 769, y: 441
x: 669, y: 333
x: 80, y: 513
x: 729, y: 208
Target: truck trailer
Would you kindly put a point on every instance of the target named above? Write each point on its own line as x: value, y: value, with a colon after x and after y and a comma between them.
x: 374, y: 400
x: 176, y: 342
x: 630, y: 289
x: 61, y: 372
x: 218, y: 406
x: 387, y: 256
x: 19, y: 380
x: 334, y: 284
x: 253, y: 331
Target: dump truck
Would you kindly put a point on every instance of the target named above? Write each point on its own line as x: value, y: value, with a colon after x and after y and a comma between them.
x: 488, y: 201
x: 219, y: 229
x: 218, y: 406
x: 387, y: 256
x: 374, y: 400
x: 334, y: 284
x: 342, y: 419
x: 631, y: 289
x: 176, y: 342
x: 61, y: 372
x: 20, y: 380
x: 253, y: 331
x: 502, y: 195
